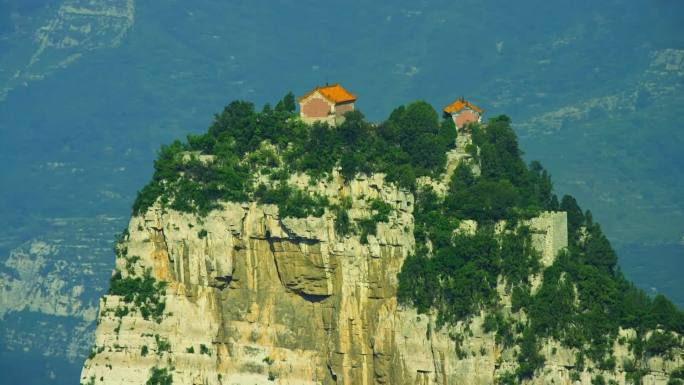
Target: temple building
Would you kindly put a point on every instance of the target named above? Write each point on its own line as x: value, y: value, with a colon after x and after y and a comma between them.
x: 326, y: 103
x: 463, y: 112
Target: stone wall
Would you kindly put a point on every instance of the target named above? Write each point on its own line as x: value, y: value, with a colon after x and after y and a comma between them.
x: 549, y: 234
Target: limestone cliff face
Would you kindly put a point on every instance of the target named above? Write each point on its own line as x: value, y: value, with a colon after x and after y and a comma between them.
x: 258, y: 299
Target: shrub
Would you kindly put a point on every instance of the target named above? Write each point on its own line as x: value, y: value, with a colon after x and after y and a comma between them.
x: 160, y: 377
x: 293, y: 202
x: 529, y: 359
x: 343, y: 225
x: 130, y: 263
x: 121, y: 311
x: 143, y: 292
x: 598, y: 380
x: 204, y: 349
x: 490, y: 323
x: 660, y: 343
x: 163, y: 344
x: 574, y: 376
x: 507, y: 378
x: 633, y: 373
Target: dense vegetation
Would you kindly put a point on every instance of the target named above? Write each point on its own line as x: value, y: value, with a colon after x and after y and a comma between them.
x: 411, y: 143
x: 457, y: 274
x: 507, y: 188
x: 584, y: 299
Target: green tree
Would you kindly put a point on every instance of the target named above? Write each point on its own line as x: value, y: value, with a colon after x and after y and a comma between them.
x: 462, y: 178
x: 237, y: 123
x: 575, y: 215
x: 447, y: 133
x: 287, y: 103
x: 486, y: 201
x: 635, y: 306
x: 354, y: 129
x: 597, y: 249
x: 664, y: 314
x: 539, y: 189
x: 529, y: 359
x: 499, y: 152
x: 660, y: 343
x: 416, y: 130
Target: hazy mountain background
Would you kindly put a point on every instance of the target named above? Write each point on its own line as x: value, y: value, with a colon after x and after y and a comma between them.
x: 89, y: 89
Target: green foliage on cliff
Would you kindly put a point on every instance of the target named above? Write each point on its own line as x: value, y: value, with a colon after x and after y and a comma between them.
x: 163, y: 345
x: 192, y: 185
x: 380, y: 212
x: 220, y: 165
x: 205, y: 350
x: 529, y: 359
x: 343, y: 224
x: 459, y: 279
x: 507, y: 188
x: 584, y: 299
x: 145, y: 293
x: 660, y: 343
x: 292, y: 202
x: 456, y: 274
x: 160, y: 377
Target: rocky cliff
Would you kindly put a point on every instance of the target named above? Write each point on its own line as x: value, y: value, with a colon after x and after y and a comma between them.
x: 253, y: 298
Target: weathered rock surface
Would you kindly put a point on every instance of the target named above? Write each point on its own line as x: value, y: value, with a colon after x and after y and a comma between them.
x: 258, y: 299
x: 69, y: 32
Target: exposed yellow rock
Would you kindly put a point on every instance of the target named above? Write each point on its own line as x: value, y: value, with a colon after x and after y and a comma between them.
x: 288, y: 301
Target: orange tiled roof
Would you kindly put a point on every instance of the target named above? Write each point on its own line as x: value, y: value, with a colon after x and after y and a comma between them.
x: 334, y: 92
x: 461, y: 104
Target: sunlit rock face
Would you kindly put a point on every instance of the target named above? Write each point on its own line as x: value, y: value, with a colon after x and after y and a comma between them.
x: 253, y: 298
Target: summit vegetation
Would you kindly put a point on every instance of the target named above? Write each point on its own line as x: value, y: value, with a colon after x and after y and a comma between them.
x: 244, y: 142
x: 584, y: 299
